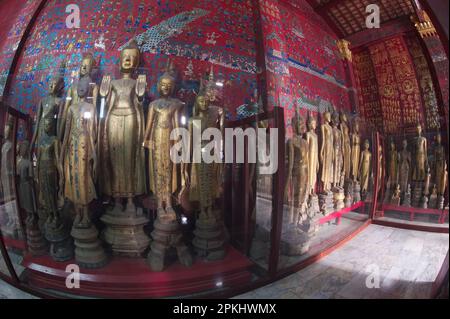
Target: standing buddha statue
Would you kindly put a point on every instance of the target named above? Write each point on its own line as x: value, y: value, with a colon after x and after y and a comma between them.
x: 347, y: 149
x: 313, y: 154
x: 356, y: 149
x: 421, y: 157
x: 165, y: 176
x: 364, y: 167
x: 79, y: 161
x: 205, y: 182
x: 404, y: 163
x: 440, y: 166
x: 123, y: 156
x: 297, y: 174
x: 392, y: 165
x: 338, y: 158
x: 327, y: 153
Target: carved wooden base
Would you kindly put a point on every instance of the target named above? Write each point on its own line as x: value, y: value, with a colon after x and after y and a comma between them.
x: 407, y: 199
x: 433, y: 203
x: 356, y: 192
x: 348, y: 201
x: 417, y: 195
x: 440, y: 202
x: 124, y: 232
x: 61, y: 244
x: 209, y: 240
x: 313, y: 205
x: 326, y: 202
x: 89, y: 252
x: 37, y: 245
x: 424, y: 202
x: 339, y: 197
x: 166, y: 236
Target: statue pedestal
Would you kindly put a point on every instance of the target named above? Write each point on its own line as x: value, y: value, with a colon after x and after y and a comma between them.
x: 209, y: 239
x: 167, y: 235
x: 313, y: 206
x: 356, y: 192
x: 440, y: 202
x: 89, y: 252
x: 348, y: 200
x: 433, y: 203
x: 339, y: 197
x: 37, y: 245
x: 407, y: 199
x: 61, y: 244
x: 295, y: 241
x: 424, y: 202
x: 125, y: 231
x: 387, y: 194
x: 326, y: 203
x: 417, y: 195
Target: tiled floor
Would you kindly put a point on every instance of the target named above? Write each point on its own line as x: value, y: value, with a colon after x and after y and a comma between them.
x: 403, y: 262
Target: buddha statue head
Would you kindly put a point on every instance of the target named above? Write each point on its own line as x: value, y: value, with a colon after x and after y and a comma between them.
x: 419, y: 129
x: 405, y: 144
x: 392, y: 144
x: 55, y: 85
x: 366, y: 145
x: 312, y: 122
x: 129, y: 58
x: 356, y: 125
x: 336, y: 121
x: 201, y: 104
x: 87, y: 65
x: 438, y: 139
x: 298, y: 124
x: 83, y: 87
x: 327, y: 117
x: 166, y: 83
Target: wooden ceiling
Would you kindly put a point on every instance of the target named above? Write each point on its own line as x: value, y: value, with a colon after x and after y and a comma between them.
x: 348, y: 17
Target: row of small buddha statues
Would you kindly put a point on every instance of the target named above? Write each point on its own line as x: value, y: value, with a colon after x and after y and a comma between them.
x: 87, y: 152
x: 328, y: 172
x: 412, y: 178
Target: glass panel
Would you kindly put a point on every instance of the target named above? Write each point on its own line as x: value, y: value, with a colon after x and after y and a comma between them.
x: 415, y: 185
x: 321, y: 209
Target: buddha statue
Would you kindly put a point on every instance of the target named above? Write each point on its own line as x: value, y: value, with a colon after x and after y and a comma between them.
x: 356, y: 149
x: 48, y: 109
x: 36, y: 243
x: 327, y: 153
x: 338, y: 158
x: 205, y: 182
x: 85, y: 71
x: 7, y: 163
x: 347, y: 149
x: 440, y: 166
x: 313, y: 154
x: 297, y: 173
x: 404, y: 162
x: 123, y: 173
x: 392, y: 170
x: 164, y: 116
x: 365, y: 167
x: 166, y: 177
x: 421, y: 157
x: 49, y: 173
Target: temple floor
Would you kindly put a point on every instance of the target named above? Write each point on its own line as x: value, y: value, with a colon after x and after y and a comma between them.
x: 407, y: 263
x: 404, y: 262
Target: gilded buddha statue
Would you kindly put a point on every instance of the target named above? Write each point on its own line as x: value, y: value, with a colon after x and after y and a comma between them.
x: 165, y: 176
x: 49, y: 174
x: 313, y: 154
x: 365, y: 167
x: 421, y: 157
x: 164, y: 116
x: 297, y: 173
x: 338, y: 156
x: 327, y: 153
x: 123, y: 174
x: 87, y: 64
x: 393, y: 162
x: 440, y: 166
x: 404, y: 169
x: 48, y: 109
x: 205, y: 182
x: 356, y: 149
x: 347, y: 149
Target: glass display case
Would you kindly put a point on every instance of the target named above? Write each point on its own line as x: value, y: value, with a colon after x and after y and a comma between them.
x: 173, y: 150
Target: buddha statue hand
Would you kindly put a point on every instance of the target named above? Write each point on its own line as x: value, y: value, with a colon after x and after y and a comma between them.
x: 141, y: 85
x: 105, y: 86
